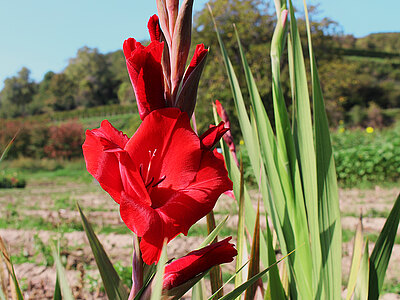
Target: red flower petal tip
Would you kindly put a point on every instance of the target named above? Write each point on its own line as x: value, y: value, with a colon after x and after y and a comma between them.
x: 154, y: 28
x: 196, y: 262
x: 212, y: 135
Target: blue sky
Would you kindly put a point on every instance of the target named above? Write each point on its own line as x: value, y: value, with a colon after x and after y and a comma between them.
x: 43, y: 34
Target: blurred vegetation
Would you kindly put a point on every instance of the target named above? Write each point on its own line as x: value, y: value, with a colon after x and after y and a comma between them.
x: 360, y: 76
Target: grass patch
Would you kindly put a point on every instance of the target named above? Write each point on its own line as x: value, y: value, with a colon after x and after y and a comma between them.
x: 372, y: 213
x: 65, y: 171
x: 348, y: 235
x: 201, y: 230
x: 391, y: 286
x: 38, y: 223
x: 13, y: 220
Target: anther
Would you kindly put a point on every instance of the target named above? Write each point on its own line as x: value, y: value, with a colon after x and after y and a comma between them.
x: 158, y: 182
x: 151, y: 181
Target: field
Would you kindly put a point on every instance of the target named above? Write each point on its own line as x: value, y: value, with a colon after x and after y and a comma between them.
x: 45, y: 212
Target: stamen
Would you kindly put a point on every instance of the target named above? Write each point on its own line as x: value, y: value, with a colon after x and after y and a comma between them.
x: 151, y: 155
x: 158, y: 182
x: 140, y: 170
x: 151, y: 181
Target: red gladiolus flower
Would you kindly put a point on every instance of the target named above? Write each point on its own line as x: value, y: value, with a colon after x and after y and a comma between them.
x: 157, y: 71
x: 165, y: 177
x: 187, y: 267
x: 145, y: 71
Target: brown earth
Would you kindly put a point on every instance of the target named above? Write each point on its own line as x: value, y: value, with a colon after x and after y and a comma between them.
x: 38, y: 201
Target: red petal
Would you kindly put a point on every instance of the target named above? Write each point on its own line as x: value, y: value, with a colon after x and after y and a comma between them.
x: 185, y: 207
x: 129, y: 46
x: 187, y: 267
x: 145, y: 72
x: 100, y: 157
x: 154, y: 28
x: 199, y: 53
x: 168, y: 132
x: 138, y: 215
x: 151, y: 249
x: 209, y: 138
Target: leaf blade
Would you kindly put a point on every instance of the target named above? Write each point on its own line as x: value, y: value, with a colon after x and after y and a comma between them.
x: 113, y: 284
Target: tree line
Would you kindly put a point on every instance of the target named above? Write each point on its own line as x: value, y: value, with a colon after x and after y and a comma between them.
x: 360, y: 77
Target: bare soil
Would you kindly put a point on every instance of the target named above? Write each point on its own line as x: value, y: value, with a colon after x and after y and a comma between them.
x: 40, y: 201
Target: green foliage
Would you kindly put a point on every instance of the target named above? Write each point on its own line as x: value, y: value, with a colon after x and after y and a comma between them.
x: 9, y: 182
x: 40, y: 140
x: 17, y: 93
x: 354, y: 72
x: 113, y: 284
x: 91, y: 77
x: 367, y: 157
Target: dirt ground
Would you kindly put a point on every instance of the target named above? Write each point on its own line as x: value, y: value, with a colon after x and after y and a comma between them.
x: 40, y: 201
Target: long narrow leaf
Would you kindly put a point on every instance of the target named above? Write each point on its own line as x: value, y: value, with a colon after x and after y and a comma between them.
x: 305, y: 145
x: 198, y: 291
x: 240, y: 289
x: 215, y: 272
x: 380, y: 256
x: 213, y: 233
x: 254, y: 266
x: 361, y: 290
x: 234, y: 175
x: 5, y: 151
x: 328, y: 199
x: 355, y: 261
x: 158, y: 278
x: 229, y: 280
x: 113, y: 284
x: 288, y: 216
x: 240, y: 229
x: 7, y: 259
x: 57, y: 290
x: 64, y: 286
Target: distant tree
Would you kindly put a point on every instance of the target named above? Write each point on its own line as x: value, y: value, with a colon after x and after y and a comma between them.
x: 17, y: 93
x: 254, y: 20
x: 117, y: 66
x: 126, y: 94
x: 61, y: 93
x: 92, y: 80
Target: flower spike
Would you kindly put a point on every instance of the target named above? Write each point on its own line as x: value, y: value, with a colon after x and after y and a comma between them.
x: 170, y: 85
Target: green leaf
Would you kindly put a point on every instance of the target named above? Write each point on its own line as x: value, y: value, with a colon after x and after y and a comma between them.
x: 229, y: 280
x: 113, y: 284
x: 355, y: 262
x: 328, y: 199
x: 303, y: 133
x: 251, y: 145
x: 57, y: 290
x: 254, y: 266
x: 7, y: 260
x: 215, y: 272
x: 380, y: 256
x: 241, y: 238
x: 240, y: 289
x: 64, y: 286
x: 179, y: 291
x: 288, y: 215
x: 361, y: 290
x: 4, y: 154
x: 213, y: 233
x: 158, y: 278
x: 198, y: 291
